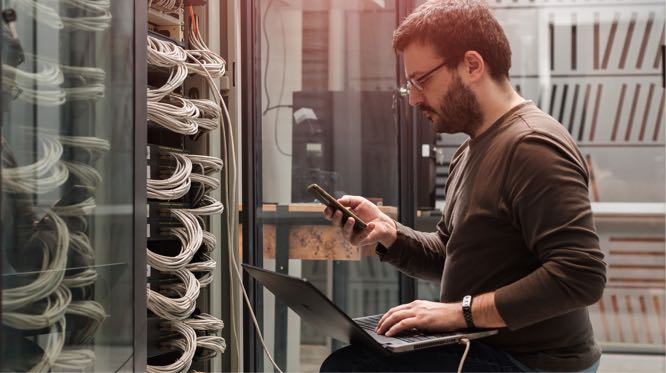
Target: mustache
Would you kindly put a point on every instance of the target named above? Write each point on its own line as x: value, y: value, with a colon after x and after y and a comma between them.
x: 427, y: 109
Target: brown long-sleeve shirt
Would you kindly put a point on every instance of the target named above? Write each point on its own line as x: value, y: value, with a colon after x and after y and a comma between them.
x: 518, y: 221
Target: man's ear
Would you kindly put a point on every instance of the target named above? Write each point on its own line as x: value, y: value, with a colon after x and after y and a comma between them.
x: 474, y: 66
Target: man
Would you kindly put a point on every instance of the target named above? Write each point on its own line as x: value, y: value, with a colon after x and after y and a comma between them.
x: 517, y: 234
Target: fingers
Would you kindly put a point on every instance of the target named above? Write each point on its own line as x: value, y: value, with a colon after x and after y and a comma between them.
x: 336, y: 218
x: 348, y: 226
x: 351, y: 201
x: 398, y: 321
x: 328, y: 213
x: 381, y: 325
x: 355, y: 236
x: 402, y: 325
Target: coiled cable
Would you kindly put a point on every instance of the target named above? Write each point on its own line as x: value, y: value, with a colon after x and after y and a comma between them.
x: 83, y: 208
x: 190, y: 236
x: 94, y: 146
x: 54, y: 306
x: 43, y: 176
x: 98, y: 22
x: 179, y: 119
x: 80, y: 244
x: 54, y: 344
x: 92, y: 311
x: 175, y: 186
x: 205, y: 323
x: 166, y: 5
x: 206, y: 163
x: 188, y: 345
x: 55, y: 245
x: 176, y: 308
x: 75, y: 360
x: 86, y: 175
x: 40, y: 12
x: 81, y: 279
x: 210, y: 206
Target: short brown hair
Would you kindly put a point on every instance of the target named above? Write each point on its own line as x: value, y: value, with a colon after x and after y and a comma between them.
x: 454, y: 27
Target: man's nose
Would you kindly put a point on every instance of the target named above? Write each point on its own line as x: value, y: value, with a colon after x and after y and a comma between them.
x: 415, y: 97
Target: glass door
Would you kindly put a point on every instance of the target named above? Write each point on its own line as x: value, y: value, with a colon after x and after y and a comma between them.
x: 67, y: 185
x: 324, y: 107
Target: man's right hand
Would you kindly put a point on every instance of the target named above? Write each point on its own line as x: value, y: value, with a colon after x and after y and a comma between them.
x: 380, y: 227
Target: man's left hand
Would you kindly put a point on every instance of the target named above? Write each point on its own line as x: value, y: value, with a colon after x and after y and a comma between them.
x: 422, y: 315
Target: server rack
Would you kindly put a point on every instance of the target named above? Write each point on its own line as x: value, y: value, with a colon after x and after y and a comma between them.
x: 188, y: 187
x: 80, y: 160
x: 71, y: 109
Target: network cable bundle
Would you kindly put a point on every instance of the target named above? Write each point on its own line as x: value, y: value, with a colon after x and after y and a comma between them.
x: 56, y: 237
x: 50, y: 176
x: 90, y: 15
x: 181, y: 332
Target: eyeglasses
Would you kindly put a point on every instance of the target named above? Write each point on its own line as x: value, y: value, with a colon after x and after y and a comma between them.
x: 419, y: 82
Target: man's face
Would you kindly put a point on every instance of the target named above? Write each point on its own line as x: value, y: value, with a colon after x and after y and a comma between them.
x: 445, y: 100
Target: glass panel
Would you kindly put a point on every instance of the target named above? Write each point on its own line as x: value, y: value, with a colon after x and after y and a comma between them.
x: 328, y: 76
x: 67, y: 184
x: 596, y: 67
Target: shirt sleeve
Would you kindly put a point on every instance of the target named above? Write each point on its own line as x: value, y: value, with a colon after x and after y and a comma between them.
x: 547, y: 198
x: 417, y: 254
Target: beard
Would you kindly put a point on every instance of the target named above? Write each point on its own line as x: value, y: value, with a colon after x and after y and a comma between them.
x: 458, y: 110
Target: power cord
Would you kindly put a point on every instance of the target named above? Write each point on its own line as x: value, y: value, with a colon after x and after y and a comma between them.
x: 254, y: 318
x: 467, y: 343
x: 230, y: 172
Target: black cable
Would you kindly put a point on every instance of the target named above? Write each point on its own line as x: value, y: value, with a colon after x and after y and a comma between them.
x: 282, y: 84
x: 268, y: 54
x: 284, y: 67
x: 277, y: 107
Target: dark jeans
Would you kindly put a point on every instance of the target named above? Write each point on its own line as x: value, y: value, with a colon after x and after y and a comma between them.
x: 481, y: 358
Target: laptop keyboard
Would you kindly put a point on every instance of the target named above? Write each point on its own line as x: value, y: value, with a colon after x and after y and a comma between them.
x: 369, y: 323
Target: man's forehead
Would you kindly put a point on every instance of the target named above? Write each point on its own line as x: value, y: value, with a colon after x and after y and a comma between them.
x: 418, y: 58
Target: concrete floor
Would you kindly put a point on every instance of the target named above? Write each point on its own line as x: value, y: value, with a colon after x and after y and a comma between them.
x: 632, y: 363
x: 312, y: 356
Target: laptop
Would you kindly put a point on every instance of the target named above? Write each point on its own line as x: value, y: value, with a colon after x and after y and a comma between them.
x: 314, y: 307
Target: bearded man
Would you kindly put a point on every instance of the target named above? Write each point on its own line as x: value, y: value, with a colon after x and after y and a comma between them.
x: 517, y: 237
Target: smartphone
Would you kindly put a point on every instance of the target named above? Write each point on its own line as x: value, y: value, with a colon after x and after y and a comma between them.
x: 333, y: 203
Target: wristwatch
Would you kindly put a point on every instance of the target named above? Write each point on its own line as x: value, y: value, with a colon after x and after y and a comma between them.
x: 467, y: 311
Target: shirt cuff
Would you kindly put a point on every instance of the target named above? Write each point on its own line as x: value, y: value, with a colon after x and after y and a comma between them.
x: 395, y: 250
x: 381, y: 249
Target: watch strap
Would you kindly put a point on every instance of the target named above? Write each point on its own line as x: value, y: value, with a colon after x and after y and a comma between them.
x: 467, y: 311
